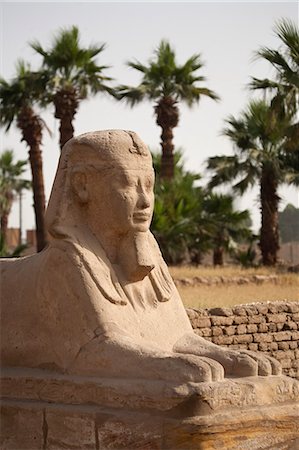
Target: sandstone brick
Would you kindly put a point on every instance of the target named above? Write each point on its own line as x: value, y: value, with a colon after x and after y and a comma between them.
x: 265, y: 346
x: 202, y: 322
x: 283, y: 345
x: 217, y: 331
x: 219, y: 320
x: 239, y: 311
x: 70, y: 430
x: 290, y: 325
x: 223, y: 340
x: 279, y: 326
x: 295, y: 363
x: 253, y: 347
x: 262, y: 337
x: 251, y: 310
x: 273, y: 346
x: 277, y: 307
x: 226, y: 312
x: 243, y: 339
x: 192, y: 313
x: 286, y: 363
x: 204, y: 332
x: 276, y: 318
x: 295, y: 335
x: 263, y: 327
x: 283, y: 354
x: 240, y: 320
x: 262, y: 308
x: 21, y: 428
x: 252, y: 328
x: 283, y: 336
x: 293, y: 307
x: 293, y: 345
x: 295, y: 317
x: 241, y: 329
x: 229, y: 331
x: 272, y: 327
x: 256, y: 319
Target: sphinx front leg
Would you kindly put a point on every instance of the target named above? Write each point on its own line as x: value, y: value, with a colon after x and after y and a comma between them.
x: 235, y: 363
x: 117, y: 356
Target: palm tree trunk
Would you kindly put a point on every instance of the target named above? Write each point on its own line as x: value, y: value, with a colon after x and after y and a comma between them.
x: 4, y: 226
x: 167, y: 159
x: 269, y: 240
x: 167, y: 118
x: 218, y: 256
x: 31, y: 127
x: 66, y: 104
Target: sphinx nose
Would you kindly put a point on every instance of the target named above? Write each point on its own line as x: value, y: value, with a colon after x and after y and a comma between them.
x: 143, y: 200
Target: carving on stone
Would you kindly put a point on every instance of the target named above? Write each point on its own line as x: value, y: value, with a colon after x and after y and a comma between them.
x: 99, y: 300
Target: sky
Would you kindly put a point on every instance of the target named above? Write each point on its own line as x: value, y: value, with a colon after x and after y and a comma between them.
x: 226, y: 34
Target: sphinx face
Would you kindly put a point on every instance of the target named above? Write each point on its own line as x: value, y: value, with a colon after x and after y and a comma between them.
x: 123, y: 200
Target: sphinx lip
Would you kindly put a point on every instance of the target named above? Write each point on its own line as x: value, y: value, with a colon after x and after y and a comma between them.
x: 141, y: 216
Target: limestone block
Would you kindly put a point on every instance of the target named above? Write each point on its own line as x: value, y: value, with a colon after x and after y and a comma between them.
x: 256, y: 319
x: 230, y: 330
x: 217, y: 331
x: 226, y: 312
x: 290, y: 325
x: 241, y: 329
x: 251, y: 328
x: 276, y: 318
x: 243, y: 339
x: 22, y: 427
x: 69, y: 430
x: 240, y: 319
x: 239, y: 311
x: 262, y: 337
x: 223, y: 340
x: 283, y: 336
x: 204, y: 332
x: 221, y: 320
x: 202, y: 322
x: 262, y: 328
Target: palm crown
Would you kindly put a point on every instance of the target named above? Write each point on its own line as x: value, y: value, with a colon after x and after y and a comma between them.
x: 285, y: 61
x: 260, y: 137
x: 167, y: 83
x: 70, y: 73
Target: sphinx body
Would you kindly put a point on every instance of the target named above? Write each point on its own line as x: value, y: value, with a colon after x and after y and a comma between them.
x: 99, y: 300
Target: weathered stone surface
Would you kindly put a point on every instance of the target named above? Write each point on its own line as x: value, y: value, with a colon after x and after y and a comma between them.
x: 101, y: 353
x: 22, y: 427
x: 71, y: 430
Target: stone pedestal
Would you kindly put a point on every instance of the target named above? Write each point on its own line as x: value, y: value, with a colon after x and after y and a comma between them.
x: 44, y: 410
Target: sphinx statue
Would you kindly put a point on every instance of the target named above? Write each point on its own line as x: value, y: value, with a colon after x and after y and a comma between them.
x: 100, y: 292
x: 97, y: 348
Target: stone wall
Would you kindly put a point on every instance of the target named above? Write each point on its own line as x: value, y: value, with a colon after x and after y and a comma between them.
x: 266, y: 327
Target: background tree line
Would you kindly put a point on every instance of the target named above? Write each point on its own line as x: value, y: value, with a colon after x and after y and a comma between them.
x: 264, y: 136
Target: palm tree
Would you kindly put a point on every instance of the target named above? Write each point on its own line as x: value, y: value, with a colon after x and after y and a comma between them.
x: 70, y: 74
x: 17, y: 100
x: 284, y: 87
x: 10, y: 184
x: 227, y: 225
x: 285, y: 62
x: 167, y: 83
x: 259, y: 136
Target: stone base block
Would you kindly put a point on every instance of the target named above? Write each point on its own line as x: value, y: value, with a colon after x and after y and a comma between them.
x: 47, y: 412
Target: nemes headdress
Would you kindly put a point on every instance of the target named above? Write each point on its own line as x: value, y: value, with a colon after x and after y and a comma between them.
x: 100, y: 150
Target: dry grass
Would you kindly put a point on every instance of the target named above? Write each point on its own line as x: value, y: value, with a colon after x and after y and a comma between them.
x: 285, y: 287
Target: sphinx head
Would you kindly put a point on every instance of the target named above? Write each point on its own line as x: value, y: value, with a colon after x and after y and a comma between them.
x: 104, y: 181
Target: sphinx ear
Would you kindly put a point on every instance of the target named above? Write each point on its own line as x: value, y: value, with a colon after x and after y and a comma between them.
x: 79, y: 186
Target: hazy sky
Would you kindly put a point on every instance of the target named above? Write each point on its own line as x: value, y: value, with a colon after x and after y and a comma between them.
x: 225, y: 34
